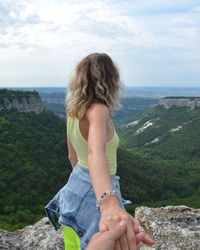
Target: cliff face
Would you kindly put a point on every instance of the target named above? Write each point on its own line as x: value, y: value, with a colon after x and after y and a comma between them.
x: 180, y: 102
x: 21, y: 101
x: 172, y: 228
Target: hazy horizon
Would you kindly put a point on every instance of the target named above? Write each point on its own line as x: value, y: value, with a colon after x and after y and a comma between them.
x: 126, y: 86
x: 128, y: 91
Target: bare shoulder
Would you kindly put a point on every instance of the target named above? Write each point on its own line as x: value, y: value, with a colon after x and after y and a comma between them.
x: 97, y: 111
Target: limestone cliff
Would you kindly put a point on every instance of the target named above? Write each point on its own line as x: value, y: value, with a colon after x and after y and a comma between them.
x: 191, y: 102
x: 22, y: 101
x: 172, y: 228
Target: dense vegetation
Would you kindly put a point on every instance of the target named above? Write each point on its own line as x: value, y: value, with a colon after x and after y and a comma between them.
x: 173, y: 162
x: 158, y: 182
x: 177, y: 130
x: 34, y: 163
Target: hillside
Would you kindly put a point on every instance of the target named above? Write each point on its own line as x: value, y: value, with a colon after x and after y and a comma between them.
x: 34, y: 163
x: 169, y: 133
x: 169, y: 140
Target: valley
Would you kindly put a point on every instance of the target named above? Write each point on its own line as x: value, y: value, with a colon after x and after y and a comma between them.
x: 158, y: 157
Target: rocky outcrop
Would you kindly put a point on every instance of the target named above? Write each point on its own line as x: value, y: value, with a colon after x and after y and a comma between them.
x: 180, y: 102
x: 27, y: 103
x: 40, y: 236
x: 172, y: 228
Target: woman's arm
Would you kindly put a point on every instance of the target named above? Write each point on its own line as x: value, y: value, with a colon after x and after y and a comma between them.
x: 98, y: 117
x: 111, y: 212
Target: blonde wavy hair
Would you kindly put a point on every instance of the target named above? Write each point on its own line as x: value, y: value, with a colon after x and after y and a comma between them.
x: 95, y: 79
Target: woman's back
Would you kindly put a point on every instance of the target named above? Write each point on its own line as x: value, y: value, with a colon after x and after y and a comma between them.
x: 77, y: 132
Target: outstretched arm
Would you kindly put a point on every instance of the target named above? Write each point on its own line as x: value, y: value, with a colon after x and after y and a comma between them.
x: 98, y: 117
x: 111, y: 212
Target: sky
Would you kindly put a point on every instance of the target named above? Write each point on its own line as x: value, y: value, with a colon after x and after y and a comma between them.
x: 153, y: 42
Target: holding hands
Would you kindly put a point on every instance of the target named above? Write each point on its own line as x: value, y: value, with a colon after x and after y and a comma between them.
x: 106, y: 239
x: 112, y: 216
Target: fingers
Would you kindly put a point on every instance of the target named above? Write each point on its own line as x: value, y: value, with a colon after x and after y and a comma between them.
x: 123, y: 242
x: 117, y: 246
x: 118, y: 230
x: 136, y: 224
x: 140, y: 237
x: 148, y: 241
x: 131, y: 236
x: 103, y: 228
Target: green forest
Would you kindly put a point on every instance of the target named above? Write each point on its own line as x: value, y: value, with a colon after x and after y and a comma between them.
x: 172, y: 163
x: 34, y: 165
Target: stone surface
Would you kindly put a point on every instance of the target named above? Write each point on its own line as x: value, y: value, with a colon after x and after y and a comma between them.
x: 28, y: 104
x: 40, y: 236
x: 180, y: 102
x: 172, y: 227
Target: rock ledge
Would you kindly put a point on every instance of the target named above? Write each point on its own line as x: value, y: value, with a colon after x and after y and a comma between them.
x: 172, y: 227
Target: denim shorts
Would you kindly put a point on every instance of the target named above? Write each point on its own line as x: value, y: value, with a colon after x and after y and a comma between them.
x: 74, y: 205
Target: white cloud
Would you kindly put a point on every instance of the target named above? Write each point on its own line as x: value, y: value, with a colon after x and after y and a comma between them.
x: 60, y: 32
x: 84, y: 23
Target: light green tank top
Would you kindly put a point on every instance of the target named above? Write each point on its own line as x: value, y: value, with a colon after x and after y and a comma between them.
x: 81, y: 145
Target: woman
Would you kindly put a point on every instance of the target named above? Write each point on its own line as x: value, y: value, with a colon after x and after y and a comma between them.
x: 91, y: 200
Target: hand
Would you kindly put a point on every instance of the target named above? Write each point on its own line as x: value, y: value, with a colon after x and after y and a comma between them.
x: 105, y: 240
x: 111, y: 215
x: 139, y: 236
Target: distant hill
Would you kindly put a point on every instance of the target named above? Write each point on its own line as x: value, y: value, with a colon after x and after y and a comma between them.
x: 173, y: 133
x: 180, y: 101
x: 148, y: 92
x: 131, y: 105
x: 169, y: 140
x: 23, y: 101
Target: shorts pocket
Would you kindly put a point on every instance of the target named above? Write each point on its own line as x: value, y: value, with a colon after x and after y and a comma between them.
x: 72, y: 195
